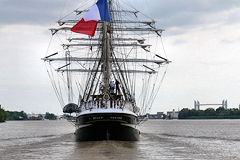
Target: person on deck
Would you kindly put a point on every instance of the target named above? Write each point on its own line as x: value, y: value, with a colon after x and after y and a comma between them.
x: 117, y: 87
x: 101, y: 91
x: 112, y: 86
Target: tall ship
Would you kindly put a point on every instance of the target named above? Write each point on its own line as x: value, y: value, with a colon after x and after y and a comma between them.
x: 103, y: 69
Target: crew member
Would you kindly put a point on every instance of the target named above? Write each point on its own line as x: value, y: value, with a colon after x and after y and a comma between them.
x: 101, y: 88
x: 117, y: 87
x: 112, y: 86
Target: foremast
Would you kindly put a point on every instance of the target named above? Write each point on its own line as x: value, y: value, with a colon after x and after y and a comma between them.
x: 106, y: 53
x: 106, y: 56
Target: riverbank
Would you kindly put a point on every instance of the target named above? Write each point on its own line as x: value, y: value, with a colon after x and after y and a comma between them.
x: 210, y: 113
x: 16, y: 115
x: 3, y: 115
x: 213, y: 117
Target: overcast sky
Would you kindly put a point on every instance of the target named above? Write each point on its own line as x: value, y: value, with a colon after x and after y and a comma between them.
x: 202, y: 39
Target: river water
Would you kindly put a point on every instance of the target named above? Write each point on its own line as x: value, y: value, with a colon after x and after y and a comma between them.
x: 160, y: 139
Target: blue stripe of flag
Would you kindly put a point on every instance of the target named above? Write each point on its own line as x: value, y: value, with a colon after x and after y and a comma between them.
x: 104, y: 10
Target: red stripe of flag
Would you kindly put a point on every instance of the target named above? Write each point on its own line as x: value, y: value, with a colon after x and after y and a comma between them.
x: 85, y: 27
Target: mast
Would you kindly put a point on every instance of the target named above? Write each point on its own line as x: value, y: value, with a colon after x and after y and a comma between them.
x: 106, y: 63
x: 106, y: 55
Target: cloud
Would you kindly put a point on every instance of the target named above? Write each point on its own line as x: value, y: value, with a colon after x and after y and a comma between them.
x: 33, y: 11
x: 170, y: 14
x: 186, y: 13
x: 24, y: 83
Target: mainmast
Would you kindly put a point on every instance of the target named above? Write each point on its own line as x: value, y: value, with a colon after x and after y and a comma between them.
x: 106, y: 57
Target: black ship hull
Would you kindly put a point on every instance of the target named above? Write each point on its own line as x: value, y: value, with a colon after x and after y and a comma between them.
x: 107, y: 126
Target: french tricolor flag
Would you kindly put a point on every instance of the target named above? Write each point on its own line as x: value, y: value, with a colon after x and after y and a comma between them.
x: 88, y: 24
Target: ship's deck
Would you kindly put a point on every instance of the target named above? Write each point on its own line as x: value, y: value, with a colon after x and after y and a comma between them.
x: 108, y: 110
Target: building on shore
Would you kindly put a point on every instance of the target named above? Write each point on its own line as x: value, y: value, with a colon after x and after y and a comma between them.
x: 172, y: 114
x: 159, y: 115
x: 34, y: 116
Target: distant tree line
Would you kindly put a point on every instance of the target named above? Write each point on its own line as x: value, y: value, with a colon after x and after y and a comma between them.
x: 2, y: 115
x: 15, y: 115
x: 210, y: 113
x: 50, y: 116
